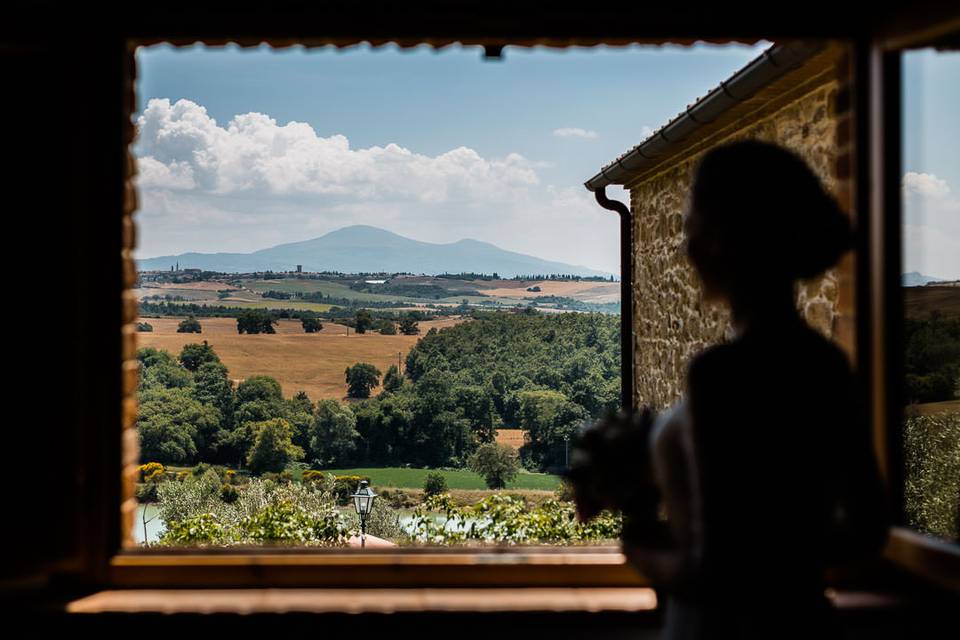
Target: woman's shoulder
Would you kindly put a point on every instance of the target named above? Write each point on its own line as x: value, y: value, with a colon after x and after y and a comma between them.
x: 713, y: 361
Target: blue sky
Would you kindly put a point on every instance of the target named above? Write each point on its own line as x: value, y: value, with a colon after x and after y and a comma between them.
x: 931, y: 163
x: 244, y: 149
x: 539, y: 122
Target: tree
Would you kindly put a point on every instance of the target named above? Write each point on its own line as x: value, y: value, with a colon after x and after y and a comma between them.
x: 255, y: 321
x: 361, y: 379
x: 273, y: 446
x: 259, y: 388
x: 362, y: 320
x: 190, y: 325
x: 149, y: 356
x: 434, y: 484
x: 392, y: 381
x: 173, y: 426
x: 144, y: 327
x: 476, y: 405
x: 387, y: 328
x: 213, y: 388
x: 497, y: 463
x: 409, y: 326
x: 311, y: 325
x: 334, y: 436
x: 165, y: 375
x: 550, y: 419
x: 194, y: 355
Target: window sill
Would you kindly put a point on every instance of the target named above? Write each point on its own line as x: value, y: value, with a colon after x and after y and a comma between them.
x: 925, y: 556
x: 597, y: 567
x: 353, y: 601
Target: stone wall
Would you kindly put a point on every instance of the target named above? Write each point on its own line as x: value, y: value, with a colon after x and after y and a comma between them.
x: 671, y: 322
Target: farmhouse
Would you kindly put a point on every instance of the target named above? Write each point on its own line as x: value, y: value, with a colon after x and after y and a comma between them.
x: 790, y: 95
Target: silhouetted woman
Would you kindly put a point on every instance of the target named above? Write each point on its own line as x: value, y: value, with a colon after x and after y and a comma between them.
x: 766, y: 468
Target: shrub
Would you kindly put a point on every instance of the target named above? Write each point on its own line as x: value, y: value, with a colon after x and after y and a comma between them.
x: 564, y: 493
x: 229, y: 493
x: 190, y: 325
x: 345, y: 486
x: 203, y: 467
x: 311, y: 325
x: 151, y: 472
x: 409, y: 326
x: 287, y: 522
x: 146, y: 492
x: 203, y: 528
x: 284, y: 477
x: 384, y: 521
x: 435, y: 483
x: 312, y: 475
x: 145, y: 327
x: 387, y: 328
x: 932, y: 461
x: 502, y: 518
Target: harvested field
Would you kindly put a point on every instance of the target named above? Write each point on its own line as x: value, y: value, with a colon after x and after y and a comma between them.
x: 300, y: 361
x: 589, y: 291
x: 919, y: 302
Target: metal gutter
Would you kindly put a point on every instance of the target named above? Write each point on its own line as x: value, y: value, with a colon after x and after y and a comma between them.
x: 626, y: 295
x: 771, y: 65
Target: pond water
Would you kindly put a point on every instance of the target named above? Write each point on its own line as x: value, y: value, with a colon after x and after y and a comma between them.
x: 154, y: 527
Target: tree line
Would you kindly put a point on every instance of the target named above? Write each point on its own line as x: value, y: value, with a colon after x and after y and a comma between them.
x: 932, y: 358
x: 544, y: 374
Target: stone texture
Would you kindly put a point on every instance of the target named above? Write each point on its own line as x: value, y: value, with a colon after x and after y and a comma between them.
x: 671, y: 321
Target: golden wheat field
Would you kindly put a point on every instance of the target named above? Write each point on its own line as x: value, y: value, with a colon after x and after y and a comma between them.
x: 587, y: 291
x: 300, y: 361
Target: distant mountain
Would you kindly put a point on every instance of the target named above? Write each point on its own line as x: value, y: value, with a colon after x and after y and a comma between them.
x: 362, y: 248
x: 916, y: 279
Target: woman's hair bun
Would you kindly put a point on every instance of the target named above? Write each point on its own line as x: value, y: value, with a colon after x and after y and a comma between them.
x: 768, y: 211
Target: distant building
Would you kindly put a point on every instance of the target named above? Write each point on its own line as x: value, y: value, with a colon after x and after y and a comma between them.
x: 299, y: 268
x: 375, y: 281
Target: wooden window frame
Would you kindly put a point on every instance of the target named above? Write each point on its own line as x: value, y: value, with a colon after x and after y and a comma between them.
x: 876, y: 102
x: 879, y: 193
x: 501, y: 566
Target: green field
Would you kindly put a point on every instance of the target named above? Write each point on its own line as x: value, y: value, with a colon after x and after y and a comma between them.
x: 402, y: 478
x: 265, y: 303
x: 326, y: 287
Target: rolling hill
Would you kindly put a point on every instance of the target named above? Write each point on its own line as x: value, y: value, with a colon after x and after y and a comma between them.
x: 361, y: 248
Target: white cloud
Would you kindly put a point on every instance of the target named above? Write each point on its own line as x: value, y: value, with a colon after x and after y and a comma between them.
x: 181, y: 147
x: 254, y: 183
x: 931, y: 231
x: 925, y: 184
x: 153, y: 173
x: 574, y: 132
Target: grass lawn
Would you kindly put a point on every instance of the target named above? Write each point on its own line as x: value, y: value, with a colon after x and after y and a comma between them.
x: 456, y: 479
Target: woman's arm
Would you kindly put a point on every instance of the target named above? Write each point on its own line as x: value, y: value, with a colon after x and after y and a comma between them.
x: 863, y: 517
x: 667, y: 553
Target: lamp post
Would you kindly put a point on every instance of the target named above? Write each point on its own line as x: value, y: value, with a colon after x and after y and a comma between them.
x: 363, y: 503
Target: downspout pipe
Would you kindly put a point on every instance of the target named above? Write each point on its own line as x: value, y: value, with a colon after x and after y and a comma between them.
x: 626, y: 294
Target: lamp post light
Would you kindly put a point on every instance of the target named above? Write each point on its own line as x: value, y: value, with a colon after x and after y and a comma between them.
x: 363, y: 503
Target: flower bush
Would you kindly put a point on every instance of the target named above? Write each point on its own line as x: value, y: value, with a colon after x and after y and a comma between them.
x: 151, y: 471
x: 932, y: 460
x: 502, y: 518
x: 197, y: 511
